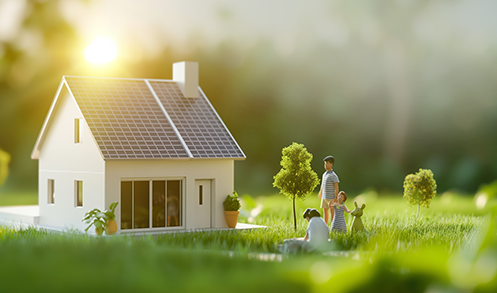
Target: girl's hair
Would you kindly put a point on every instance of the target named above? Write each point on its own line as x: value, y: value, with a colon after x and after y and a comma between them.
x: 344, y: 195
x: 311, y: 213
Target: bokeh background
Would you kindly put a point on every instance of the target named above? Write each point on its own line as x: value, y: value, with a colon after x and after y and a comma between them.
x: 385, y: 86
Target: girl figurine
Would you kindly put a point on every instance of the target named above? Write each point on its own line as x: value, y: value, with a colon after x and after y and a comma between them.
x: 338, y: 223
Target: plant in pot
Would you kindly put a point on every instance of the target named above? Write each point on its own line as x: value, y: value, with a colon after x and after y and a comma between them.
x: 95, y: 218
x: 110, y: 216
x: 102, y: 220
x: 231, y: 206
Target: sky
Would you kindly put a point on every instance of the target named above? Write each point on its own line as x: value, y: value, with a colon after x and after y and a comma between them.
x: 212, y: 21
x: 248, y: 20
x: 135, y: 25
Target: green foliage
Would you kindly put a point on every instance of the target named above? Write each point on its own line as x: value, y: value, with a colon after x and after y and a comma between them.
x: 4, y: 166
x: 110, y: 213
x: 420, y: 188
x: 490, y: 190
x: 94, y: 218
x: 232, y: 203
x: 296, y: 179
x: 98, y: 218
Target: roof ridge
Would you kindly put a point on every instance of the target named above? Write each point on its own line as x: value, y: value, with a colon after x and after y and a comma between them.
x: 123, y: 78
x: 154, y: 94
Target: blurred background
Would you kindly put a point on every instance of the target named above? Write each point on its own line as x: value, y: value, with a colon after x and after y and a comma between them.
x: 385, y: 86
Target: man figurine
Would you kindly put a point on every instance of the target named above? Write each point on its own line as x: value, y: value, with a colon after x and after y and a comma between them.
x: 329, y: 188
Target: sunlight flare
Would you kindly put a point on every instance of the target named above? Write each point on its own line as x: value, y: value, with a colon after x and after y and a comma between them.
x: 102, y: 50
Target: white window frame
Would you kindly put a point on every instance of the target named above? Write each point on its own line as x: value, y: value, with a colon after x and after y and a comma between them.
x: 150, y: 202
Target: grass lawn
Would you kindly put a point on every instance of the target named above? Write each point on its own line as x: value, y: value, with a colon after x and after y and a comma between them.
x: 451, y: 247
x: 11, y: 198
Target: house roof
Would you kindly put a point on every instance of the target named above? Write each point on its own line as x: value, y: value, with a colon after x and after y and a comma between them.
x: 147, y: 119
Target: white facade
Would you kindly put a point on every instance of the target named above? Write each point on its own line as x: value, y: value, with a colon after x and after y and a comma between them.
x: 64, y: 161
x: 218, y: 174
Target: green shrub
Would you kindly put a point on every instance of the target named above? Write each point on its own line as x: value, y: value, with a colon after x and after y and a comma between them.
x: 232, y: 203
x: 420, y: 188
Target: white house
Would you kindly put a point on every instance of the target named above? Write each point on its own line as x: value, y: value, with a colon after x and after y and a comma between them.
x: 158, y: 147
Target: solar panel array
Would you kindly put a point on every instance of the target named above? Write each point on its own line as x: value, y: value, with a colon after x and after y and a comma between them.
x: 125, y: 119
x: 128, y: 123
x: 198, y: 124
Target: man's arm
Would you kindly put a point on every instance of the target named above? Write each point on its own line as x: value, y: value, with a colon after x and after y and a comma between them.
x: 320, y: 192
x: 336, y: 190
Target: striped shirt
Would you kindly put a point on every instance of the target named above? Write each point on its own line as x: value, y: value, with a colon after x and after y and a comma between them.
x: 338, y: 223
x: 328, y: 184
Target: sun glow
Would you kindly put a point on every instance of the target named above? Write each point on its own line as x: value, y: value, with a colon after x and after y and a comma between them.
x: 102, y: 50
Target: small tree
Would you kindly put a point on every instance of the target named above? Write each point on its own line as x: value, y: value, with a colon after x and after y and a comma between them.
x: 420, y: 188
x: 4, y: 166
x: 296, y: 178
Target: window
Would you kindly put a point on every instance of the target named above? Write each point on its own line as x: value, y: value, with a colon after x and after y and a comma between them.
x: 77, y: 135
x: 141, y: 192
x: 150, y: 204
x: 51, y: 191
x: 79, y: 193
x: 200, y: 194
x: 159, y: 204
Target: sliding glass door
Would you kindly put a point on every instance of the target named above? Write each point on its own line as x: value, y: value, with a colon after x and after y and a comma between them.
x: 151, y: 204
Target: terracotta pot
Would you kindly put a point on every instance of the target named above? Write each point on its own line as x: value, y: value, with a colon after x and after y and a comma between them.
x: 231, y: 218
x: 111, y: 227
x: 99, y: 231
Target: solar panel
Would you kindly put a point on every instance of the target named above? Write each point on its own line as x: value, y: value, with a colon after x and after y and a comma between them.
x: 198, y: 124
x: 125, y: 119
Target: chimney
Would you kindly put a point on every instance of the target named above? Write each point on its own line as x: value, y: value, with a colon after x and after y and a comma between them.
x: 185, y: 74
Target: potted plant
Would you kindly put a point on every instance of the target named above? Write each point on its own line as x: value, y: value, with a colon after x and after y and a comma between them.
x: 95, y: 218
x: 231, y: 206
x: 102, y: 220
x: 110, y: 216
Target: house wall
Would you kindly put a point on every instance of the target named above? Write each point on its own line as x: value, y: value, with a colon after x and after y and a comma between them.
x: 65, y: 161
x: 219, y: 172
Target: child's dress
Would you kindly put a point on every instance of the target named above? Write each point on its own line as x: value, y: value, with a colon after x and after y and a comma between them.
x: 338, y: 223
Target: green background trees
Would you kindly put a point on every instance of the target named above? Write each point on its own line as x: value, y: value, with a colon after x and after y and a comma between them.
x: 399, y: 90
x: 4, y: 166
x: 296, y: 179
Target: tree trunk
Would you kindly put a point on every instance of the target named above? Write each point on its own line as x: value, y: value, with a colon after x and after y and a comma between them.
x: 294, y: 216
x: 417, y: 216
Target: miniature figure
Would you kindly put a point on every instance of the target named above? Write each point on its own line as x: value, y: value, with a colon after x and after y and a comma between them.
x: 357, y: 224
x: 338, y: 223
x: 329, y: 188
x: 316, y: 236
